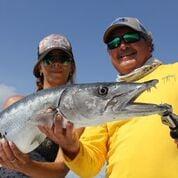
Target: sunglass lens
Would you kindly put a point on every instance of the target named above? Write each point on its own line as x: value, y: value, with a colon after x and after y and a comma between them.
x: 131, y: 37
x: 114, y: 43
x: 48, y: 59
x: 63, y: 59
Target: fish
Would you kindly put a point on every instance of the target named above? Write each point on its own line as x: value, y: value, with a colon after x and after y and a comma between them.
x: 83, y: 104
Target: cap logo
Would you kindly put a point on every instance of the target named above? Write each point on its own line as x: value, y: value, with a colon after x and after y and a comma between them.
x: 120, y: 20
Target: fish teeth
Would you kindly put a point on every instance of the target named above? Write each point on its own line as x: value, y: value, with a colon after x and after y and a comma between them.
x: 155, y: 87
x: 149, y: 90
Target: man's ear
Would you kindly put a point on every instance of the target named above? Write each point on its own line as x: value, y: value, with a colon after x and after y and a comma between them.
x: 150, y: 47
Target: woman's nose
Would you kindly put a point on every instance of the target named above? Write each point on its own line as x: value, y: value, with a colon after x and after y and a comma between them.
x: 56, y: 64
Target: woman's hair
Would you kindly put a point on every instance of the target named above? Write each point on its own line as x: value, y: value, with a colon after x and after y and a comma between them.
x: 71, y: 78
x: 39, y: 83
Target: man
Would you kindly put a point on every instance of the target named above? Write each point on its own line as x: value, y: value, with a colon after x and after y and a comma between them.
x: 138, y: 147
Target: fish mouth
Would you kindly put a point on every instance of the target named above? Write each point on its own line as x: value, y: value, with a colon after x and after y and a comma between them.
x: 129, y: 107
x: 146, y: 86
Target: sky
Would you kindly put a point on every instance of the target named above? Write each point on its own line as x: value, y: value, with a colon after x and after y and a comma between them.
x: 23, y: 23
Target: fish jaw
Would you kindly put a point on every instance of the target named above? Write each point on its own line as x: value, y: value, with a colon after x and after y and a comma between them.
x: 143, y: 109
x: 125, y: 106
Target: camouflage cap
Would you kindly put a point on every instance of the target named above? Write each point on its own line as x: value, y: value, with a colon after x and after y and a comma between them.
x: 131, y: 22
x: 49, y: 43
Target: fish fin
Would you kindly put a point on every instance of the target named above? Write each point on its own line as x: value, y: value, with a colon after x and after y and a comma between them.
x: 28, y: 139
x: 38, y: 139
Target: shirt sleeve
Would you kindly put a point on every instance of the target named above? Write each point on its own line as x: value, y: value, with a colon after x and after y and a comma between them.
x: 92, y: 154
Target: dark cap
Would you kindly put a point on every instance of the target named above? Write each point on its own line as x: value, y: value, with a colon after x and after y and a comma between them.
x: 49, y: 43
x: 131, y: 22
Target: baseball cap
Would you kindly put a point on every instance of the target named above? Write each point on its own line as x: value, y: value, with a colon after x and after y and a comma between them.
x: 131, y: 22
x: 49, y: 43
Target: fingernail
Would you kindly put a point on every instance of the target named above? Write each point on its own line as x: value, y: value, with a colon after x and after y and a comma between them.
x: 59, y: 116
x: 10, y: 143
x: 3, y: 140
x: 69, y: 122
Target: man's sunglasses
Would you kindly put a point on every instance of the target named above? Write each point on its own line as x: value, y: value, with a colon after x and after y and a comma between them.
x: 51, y: 58
x: 129, y: 37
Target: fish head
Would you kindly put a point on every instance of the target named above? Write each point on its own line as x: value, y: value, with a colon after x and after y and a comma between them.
x: 106, y: 100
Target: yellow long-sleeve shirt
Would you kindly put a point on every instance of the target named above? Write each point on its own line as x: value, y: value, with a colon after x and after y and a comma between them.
x: 138, y: 147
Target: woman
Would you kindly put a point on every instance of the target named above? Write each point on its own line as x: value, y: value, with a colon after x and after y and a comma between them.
x: 55, y: 67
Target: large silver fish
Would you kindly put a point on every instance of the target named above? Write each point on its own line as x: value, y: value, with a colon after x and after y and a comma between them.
x: 82, y: 104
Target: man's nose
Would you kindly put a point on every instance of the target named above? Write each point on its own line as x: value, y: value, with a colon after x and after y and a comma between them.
x: 123, y: 45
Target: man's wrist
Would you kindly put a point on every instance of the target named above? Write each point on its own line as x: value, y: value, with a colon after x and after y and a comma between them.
x: 72, y: 153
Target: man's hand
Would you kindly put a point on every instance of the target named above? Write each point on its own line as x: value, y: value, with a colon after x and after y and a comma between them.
x: 171, y: 120
x: 67, y: 138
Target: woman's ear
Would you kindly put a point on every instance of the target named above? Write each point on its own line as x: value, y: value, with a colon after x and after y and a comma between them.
x: 40, y: 69
x: 72, y: 70
x: 71, y: 73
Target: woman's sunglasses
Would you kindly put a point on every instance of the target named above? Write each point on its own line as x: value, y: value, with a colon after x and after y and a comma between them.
x: 129, y: 37
x: 51, y: 58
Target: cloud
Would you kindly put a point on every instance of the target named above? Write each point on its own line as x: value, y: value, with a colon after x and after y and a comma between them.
x: 5, y: 92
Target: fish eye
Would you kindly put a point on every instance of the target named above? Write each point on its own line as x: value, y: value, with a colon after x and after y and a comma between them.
x: 103, y: 91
